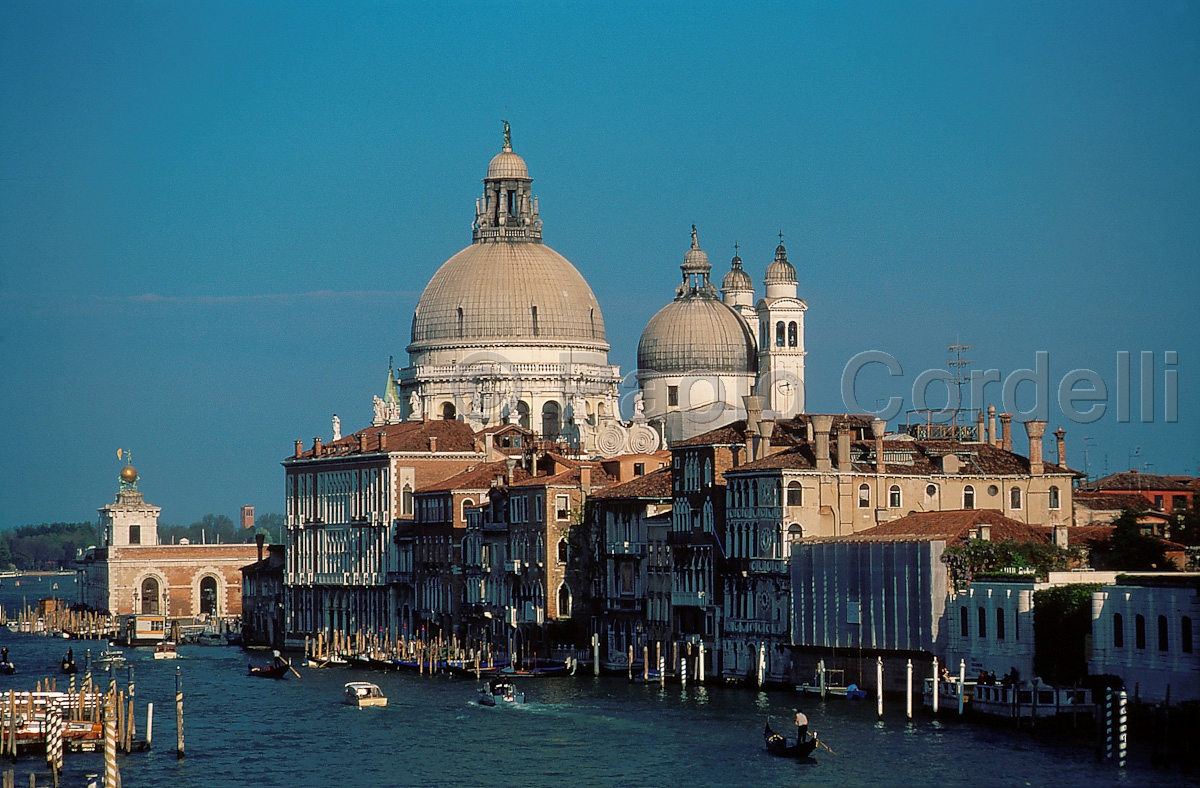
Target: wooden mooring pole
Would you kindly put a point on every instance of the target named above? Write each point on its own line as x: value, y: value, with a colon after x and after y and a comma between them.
x: 178, y: 713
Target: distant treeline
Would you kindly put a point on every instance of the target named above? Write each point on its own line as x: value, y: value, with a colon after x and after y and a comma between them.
x: 48, y: 546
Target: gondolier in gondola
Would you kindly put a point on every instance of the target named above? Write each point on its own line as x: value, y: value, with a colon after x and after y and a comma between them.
x: 801, y: 726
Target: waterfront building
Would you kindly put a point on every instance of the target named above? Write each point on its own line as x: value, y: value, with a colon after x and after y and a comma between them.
x: 264, y: 619
x: 883, y: 591
x: 346, y: 501
x: 633, y: 520
x: 1144, y: 630
x: 132, y: 572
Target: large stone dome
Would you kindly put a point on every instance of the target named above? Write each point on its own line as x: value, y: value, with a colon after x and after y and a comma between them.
x: 508, y: 293
x: 693, y: 335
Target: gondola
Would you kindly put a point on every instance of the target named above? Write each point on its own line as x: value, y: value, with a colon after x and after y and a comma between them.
x: 777, y: 745
x: 7, y: 668
x: 278, y: 669
x: 68, y: 667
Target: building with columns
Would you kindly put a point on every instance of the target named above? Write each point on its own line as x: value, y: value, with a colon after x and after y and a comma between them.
x: 131, y: 572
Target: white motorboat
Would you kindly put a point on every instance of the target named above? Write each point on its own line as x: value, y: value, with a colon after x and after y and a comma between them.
x: 363, y: 694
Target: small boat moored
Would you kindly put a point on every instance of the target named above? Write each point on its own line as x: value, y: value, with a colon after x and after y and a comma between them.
x: 499, y: 690
x: 363, y: 694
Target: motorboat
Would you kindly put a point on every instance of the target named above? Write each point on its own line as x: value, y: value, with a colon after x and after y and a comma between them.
x: 110, y: 660
x: 363, y: 694
x: 166, y: 650
x: 499, y: 691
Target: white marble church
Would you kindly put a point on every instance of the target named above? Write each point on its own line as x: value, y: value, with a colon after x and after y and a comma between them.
x: 509, y: 332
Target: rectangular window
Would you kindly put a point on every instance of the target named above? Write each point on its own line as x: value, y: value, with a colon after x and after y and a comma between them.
x: 539, y: 508
x: 562, y: 507
x: 135, y: 534
x: 1158, y: 502
x: 639, y: 469
x: 673, y: 396
x: 1179, y: 501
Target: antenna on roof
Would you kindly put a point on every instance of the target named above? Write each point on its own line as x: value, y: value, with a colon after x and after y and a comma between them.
x: 959, y: 365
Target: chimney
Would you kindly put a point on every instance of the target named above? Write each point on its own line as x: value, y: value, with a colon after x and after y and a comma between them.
x: 1060, y: 535
x: 985, y: 532
x: 299, y: 448
x: 382, y: 440
x: 754, y: 407
x: 878, y: 427
x: 258, y: 540
x: 362, y: 442
x: 979, y: 434
x: 585, y: 479
x: 822, y: 425
x: 1006, y: 431
x: 433, y: 444
x: 1035, y: 430
x: 991, y: 429
x: 843, y: 450
x: 763, y: 443
x: 316, y: 447
x: 1060, y: 435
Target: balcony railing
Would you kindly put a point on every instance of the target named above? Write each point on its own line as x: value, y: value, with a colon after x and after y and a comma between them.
x: 637, y: 549
x: 689, y: 599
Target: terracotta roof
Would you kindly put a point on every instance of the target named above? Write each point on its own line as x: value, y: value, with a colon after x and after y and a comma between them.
x: 907, y: 457
x: 953, y: 526
x: 477, y: 477
x: 567, y: 478
x: 1134, y: 480
x: 656, y: 484
x: 452, y: 436
x: 1110, y: 502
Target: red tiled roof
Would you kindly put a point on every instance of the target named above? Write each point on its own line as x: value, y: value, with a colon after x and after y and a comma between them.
x: 1136, y: 481
x: 452, y: 436
x: 567, y: 478
x: 1110, y: 502
x: 656, y: 484
x: 787, y: 432
x: 477, y: 477
x: 953, y: 526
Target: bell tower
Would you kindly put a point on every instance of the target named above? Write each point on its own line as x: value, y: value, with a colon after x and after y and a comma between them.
x: 781, y: 338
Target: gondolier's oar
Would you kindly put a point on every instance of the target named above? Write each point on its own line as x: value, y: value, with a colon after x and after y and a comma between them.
x: 289, y: 664
x: 826, y: 746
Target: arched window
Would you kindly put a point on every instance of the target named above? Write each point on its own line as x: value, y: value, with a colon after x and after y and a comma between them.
x: 1054, y: 504
x: 208, y: 595
x: 1163, y: 640
x: 448, y: 411
x: 982, y: 622
x: 999, y: 623
x: 1185, y: 634
x: 1118, y: 631
x: 564, y: 601
x: 1139, y: 631
x: 968, y: 497
x: 550, y: 420
x: 864, y: 496
x: 779, y: 331
x: 406, y: 500
x: 894, y: 501
x: 707, y: 472
x: 963, y: 620
x: 762, y: 335
x: 1014, y: 498
x: 793, y: 334
x: 523, y: 413
x: 466, y: 504
x: 795, y: 494
x: 150, y: 597
x: 564, y: 550
x: 795, y: 532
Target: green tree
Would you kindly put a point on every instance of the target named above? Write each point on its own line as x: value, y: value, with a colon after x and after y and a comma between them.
x: 1129, y: 549
x: 983, y: 556
x: 271, y: 525
x: 46, y: 545
x: 1062, y: 625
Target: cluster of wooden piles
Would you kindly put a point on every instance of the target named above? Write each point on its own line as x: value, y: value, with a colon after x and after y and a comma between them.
x: 61, y: 622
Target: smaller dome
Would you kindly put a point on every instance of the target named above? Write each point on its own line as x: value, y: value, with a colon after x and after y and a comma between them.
x: 697, y: 335
x: 737, y: 279
x: 507, y: 164
x: 780, y: 270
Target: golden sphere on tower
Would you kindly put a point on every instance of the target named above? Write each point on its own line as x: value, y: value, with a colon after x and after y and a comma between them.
x: 129, y: 474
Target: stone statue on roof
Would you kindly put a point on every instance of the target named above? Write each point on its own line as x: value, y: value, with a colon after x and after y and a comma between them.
x: 416, y: 413
x: 507, y: 135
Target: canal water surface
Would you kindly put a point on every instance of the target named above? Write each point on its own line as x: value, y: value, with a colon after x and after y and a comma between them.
x: 573, y: 732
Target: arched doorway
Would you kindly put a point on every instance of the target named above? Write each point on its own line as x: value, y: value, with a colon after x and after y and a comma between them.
x: 550, y: 420
x: 150, y: 597
x: 208, y: 596
x: 448, y: 412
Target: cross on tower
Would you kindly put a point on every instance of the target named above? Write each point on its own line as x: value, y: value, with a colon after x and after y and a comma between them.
x: 781, y: 237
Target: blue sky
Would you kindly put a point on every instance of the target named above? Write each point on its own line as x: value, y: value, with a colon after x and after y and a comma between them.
x: 215, y: 219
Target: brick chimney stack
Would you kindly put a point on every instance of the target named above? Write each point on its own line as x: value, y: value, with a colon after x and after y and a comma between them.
x: 382, y: 440
x: 979, y: 433
x: 433, y: 444
x: 362, y: 442
x: 991, y: 429
x: 1035, y: 430
x: 878, y: 428
x: 299, y: 448
x: 316, y: 447
x: 258, y: 540
x: 754, y: 408
x: 1006, y: 431
x: 822, y: 425
x: 1060, y: 436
